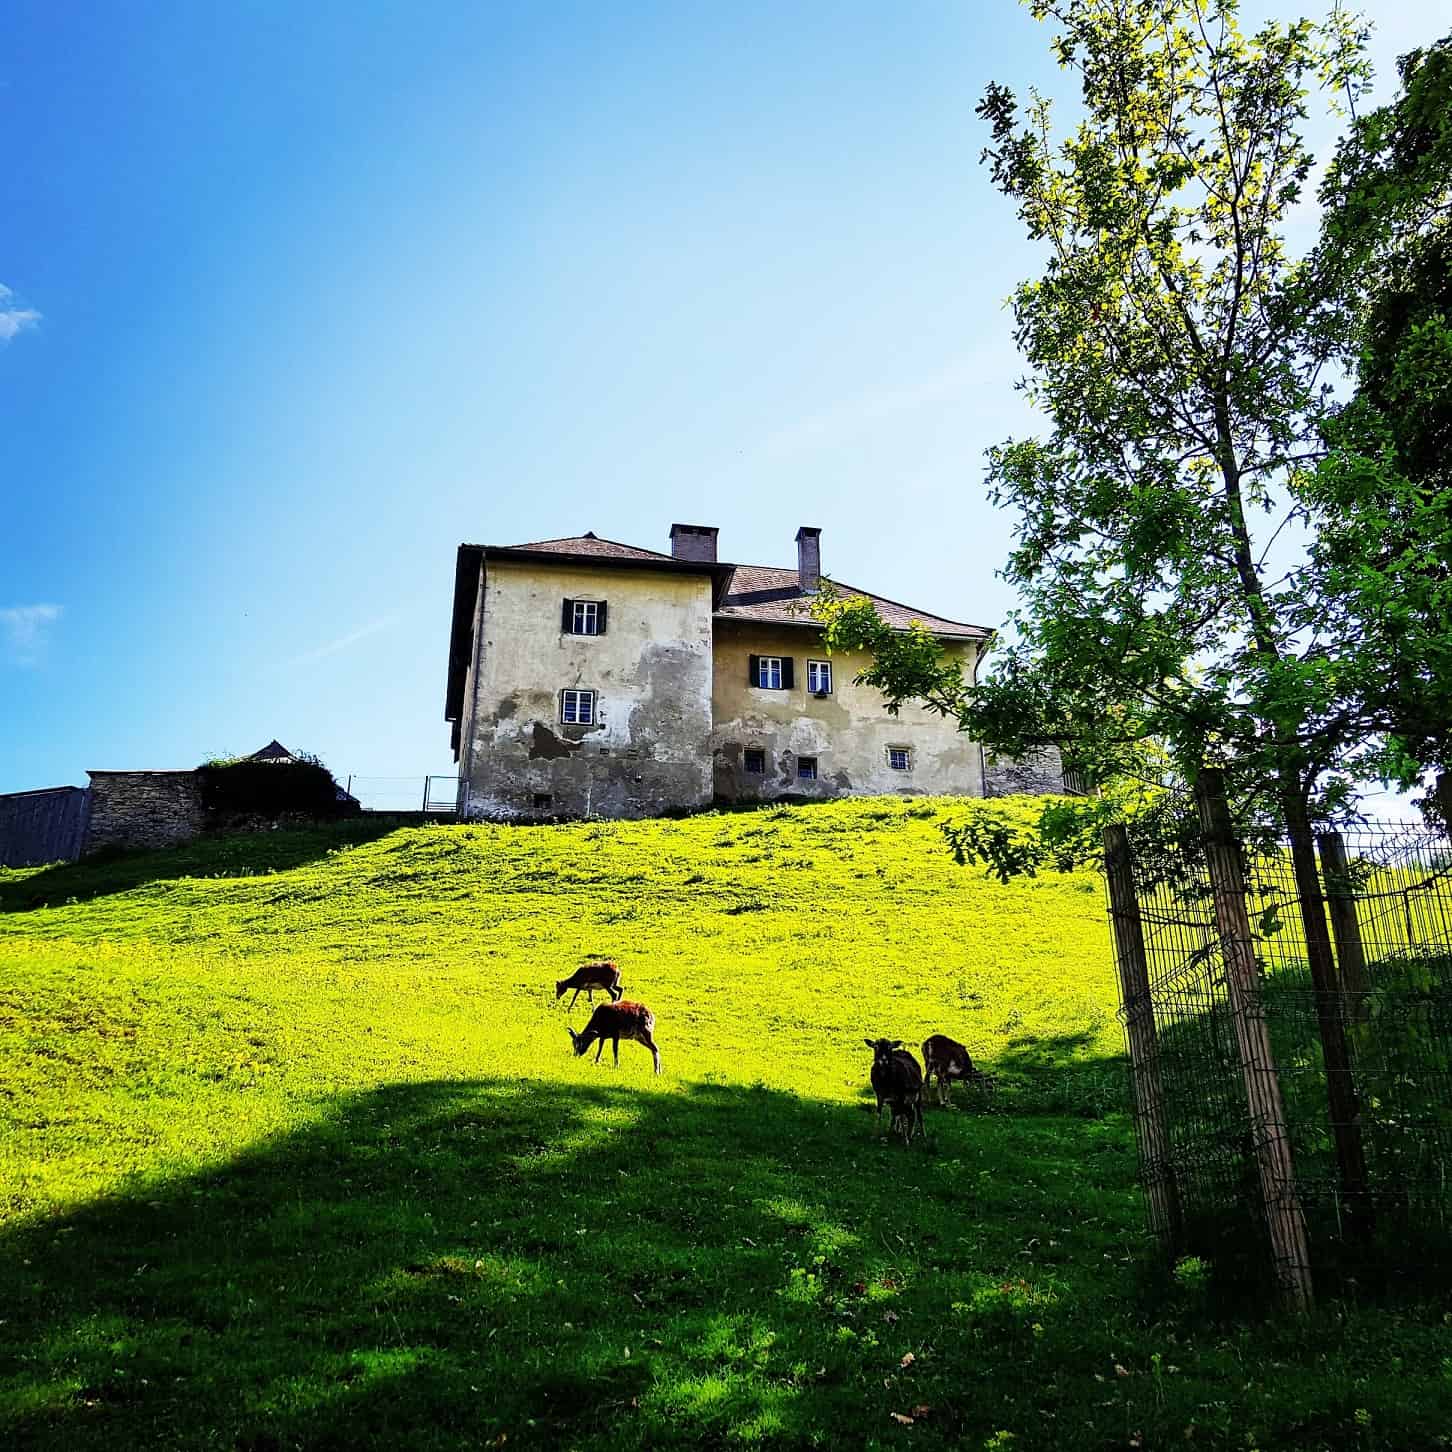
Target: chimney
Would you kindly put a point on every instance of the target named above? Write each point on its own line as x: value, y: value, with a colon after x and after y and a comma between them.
x: 694, y: 542
x: 809, y: 559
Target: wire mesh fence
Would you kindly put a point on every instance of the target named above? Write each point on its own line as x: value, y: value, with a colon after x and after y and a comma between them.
x: 1279, y: 1108
x: 436, y: 794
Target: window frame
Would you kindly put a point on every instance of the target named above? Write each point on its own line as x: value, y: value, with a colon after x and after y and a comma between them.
x: 906, y: 752
x: 764, y: 672
x: 819, y: 669
x: 807, y: 775
x: 579, y: 694
x: 747, y: 753
x: 575, y: 612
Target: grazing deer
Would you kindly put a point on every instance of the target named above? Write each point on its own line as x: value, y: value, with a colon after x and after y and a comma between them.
x: 587, y: 978
x: 949, y: 1060
x: 898, y: 1082
x: 616, y: 1021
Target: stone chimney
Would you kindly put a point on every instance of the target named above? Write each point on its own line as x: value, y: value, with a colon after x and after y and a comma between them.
x: 694, y: 542
x: 809, y: 558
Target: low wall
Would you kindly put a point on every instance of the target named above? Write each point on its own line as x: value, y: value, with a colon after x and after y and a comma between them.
x: 144, y: 809
x: 42, y: 826
x: 1030, y: 776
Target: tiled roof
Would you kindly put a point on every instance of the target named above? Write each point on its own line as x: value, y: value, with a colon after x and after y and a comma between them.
x: 588, y: 544
x: 742, y: 592
x: 766, y: 593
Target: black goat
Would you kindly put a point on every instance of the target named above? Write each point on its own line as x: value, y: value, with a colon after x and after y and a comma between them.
x: 897, y: 1080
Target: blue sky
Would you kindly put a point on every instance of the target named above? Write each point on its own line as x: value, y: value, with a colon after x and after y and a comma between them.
x: 296, y: 298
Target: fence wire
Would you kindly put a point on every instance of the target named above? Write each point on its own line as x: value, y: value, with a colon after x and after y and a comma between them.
x: 1385, y: 896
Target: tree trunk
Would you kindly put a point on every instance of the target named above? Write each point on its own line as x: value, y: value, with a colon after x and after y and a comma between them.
x: 1341, y: 1094
x: 1345, y: 926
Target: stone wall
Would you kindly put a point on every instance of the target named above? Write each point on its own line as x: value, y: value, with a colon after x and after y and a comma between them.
x: 144, y: 809
x: 1033, y: 776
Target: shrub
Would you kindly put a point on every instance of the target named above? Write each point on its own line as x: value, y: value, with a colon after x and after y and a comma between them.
x: 240, y: 786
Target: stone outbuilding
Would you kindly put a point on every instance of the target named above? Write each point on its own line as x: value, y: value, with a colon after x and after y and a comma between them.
x: 592, y: 678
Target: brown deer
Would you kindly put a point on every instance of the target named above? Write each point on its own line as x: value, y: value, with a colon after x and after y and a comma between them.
x: 616, y: 1021
x: 949, y: 1060
x: 587, y: 978
x: 898, y: 1082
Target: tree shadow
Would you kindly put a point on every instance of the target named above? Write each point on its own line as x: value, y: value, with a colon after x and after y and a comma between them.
x: 1061, y: 1074
x: 237, y: 854
x: 452, y: 1264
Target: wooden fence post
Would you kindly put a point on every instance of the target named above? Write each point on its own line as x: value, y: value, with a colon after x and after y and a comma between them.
x: 1345, y: 926
x: 1151, y: 1118
x: 1280, y: 1199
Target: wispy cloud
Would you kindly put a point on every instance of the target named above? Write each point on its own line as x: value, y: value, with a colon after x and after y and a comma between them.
x: 13, y: 318
x: 344, y: 641
x: 953, y: 384
x: 25, y: 632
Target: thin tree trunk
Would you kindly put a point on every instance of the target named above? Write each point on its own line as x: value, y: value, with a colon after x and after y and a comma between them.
x: 1341, y: 1093
x: 1345, y: 926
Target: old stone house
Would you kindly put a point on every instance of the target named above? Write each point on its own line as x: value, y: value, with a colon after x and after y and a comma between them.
x: 590, y: 678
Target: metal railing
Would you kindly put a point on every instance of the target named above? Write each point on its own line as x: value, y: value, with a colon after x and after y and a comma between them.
x: 435, y: 794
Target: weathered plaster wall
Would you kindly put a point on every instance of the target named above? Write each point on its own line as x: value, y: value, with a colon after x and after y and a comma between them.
x: 849, y: 732
x: 645, y: 753
x: 144, y: 809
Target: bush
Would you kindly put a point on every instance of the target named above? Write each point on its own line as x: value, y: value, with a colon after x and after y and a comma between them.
x: 241, y: 786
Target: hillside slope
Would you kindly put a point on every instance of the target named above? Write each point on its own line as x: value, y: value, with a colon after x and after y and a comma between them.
x: 295, y: 1153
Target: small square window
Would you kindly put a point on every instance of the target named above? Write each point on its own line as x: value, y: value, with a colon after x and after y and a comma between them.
x: 806, y: 768
x: 753, y: 761
x: 543, y: 801
x: 819, y: 677
x: 577, y: 708
x: 899, y: 758
x: 768, y: 672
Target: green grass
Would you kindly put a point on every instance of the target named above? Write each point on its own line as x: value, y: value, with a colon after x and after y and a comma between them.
x: 294, y: 1153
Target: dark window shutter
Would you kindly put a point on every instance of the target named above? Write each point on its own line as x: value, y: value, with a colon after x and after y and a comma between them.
x: 600, y: 610
x: 567, y: 617
x: 787, y: 681
x: 753, y: 670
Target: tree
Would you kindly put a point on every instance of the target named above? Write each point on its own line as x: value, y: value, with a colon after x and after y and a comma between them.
x: 1181, y: 355
x: 1382, y: 558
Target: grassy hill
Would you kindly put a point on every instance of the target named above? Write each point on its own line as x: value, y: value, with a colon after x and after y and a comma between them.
x: 294, y: 1152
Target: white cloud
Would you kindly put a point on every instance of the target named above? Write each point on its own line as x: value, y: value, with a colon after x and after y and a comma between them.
x: 953, y: 384
x: 343, y: 641
x: 13, y: 319
x: 25, y: 631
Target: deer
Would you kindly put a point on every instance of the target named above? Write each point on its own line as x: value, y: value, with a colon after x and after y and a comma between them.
x: 618, y: 1020
x: 587, y: 978
x: 898, y: 1082
x: 949, y: 1060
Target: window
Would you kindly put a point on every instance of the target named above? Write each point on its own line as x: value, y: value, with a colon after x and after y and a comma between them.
x: 753, y: 761
x: 806, y: 768
x: 770, y: 672
x: 582, y: 617
x: 819, y: 677
x: 899, y: 758
x: 543, y: 801
x: 577, y: 708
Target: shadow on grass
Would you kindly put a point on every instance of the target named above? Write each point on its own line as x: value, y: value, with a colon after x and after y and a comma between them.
x: 239, y: 854
x: 454, y: 1264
